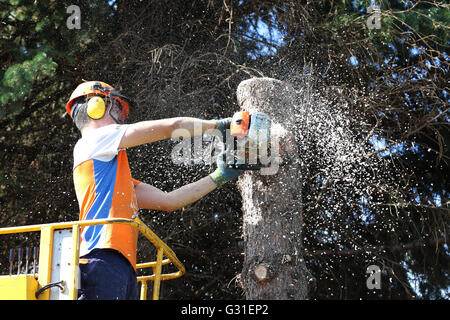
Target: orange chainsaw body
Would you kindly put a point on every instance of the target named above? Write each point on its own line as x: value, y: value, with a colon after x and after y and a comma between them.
x: 240, y: 124
x: 253, y: 133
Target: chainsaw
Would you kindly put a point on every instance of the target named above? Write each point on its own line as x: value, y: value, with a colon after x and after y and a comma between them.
x: 251, y: 140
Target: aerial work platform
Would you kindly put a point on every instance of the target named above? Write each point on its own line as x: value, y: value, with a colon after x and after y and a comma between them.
x: 59, y: 249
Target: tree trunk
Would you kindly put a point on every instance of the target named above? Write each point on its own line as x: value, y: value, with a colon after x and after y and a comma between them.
x: 274, y: 267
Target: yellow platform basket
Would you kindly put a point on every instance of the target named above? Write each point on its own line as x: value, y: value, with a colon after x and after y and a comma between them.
x: 30, y: 287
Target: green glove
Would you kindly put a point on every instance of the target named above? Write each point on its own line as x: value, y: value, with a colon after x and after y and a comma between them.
x: 223, y: 125
x: 223, y: 173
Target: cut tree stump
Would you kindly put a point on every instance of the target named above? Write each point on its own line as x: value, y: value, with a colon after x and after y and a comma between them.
x: 274, y: 267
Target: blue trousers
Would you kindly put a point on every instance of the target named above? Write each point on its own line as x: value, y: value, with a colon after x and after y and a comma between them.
x: 107, y: 275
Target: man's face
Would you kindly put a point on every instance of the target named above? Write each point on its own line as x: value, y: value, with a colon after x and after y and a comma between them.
x: 118, y: 109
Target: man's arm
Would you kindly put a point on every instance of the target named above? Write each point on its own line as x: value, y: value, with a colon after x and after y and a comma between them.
x: 149, y: 197
x: 150, y: 131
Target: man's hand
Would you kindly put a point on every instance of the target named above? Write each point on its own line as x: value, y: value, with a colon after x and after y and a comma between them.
x: 223, y: 173
x: 223, y: 125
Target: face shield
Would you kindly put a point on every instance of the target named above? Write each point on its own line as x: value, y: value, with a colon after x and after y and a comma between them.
x: 119, y: 107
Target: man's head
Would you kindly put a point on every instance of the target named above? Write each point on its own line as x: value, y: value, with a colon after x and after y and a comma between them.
x: 99, y: 102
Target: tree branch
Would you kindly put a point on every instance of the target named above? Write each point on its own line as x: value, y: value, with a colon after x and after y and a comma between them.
x: 401, y: 247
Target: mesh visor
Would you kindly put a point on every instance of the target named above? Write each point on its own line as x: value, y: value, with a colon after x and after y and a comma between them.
x: 120, y: 108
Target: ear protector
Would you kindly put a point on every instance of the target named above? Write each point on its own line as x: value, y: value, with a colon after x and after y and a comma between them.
x: 96, y: 107
x: 100, y: 97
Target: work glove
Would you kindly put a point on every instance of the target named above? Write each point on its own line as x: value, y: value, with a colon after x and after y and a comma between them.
x: 223, y: 125
x: 223, y: 173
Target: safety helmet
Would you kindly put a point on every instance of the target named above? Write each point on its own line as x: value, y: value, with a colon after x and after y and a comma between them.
x: 96, y: 92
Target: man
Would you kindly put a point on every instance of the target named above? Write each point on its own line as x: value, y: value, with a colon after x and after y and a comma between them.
x: 105, y: 188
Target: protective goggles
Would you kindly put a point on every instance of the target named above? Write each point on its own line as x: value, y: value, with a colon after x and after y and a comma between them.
x: 119, y: 108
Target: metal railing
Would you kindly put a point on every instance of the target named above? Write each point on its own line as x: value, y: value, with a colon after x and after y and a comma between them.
x: 45, y: 256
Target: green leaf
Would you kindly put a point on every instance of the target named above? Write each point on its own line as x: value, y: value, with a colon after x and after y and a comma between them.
x: 18, y: 80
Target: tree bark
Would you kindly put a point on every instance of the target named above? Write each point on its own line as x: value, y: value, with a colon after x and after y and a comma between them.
x: 274, y: 267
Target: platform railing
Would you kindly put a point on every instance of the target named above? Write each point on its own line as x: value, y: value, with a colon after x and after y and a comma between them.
x: 46, y: 254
